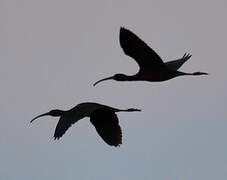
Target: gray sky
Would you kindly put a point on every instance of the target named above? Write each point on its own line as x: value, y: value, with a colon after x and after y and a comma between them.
x: 53, y: 51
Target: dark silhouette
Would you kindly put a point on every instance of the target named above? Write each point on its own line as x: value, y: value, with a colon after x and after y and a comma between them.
x: 101, y: 116
x: 152, y: 68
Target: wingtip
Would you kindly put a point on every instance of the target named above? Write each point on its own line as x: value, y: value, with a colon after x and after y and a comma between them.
x: 187, y: 55
x: 121, y: 29
x: 124, y: 29
x: 56, y: 138
x: 116, y: 145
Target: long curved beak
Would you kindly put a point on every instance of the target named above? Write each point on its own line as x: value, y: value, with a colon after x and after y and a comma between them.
x: 45, y: 114
x: 108, y: 78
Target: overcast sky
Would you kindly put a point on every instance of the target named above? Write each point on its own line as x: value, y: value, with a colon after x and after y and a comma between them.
x: 52, y: 51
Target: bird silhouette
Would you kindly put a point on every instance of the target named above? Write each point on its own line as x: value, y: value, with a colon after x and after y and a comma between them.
x: 152, y: 67
x: 103, y: 117
x: 176, y: 64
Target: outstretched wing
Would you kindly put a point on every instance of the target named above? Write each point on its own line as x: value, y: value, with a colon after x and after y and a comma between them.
x: 134, y: 47
x: 176, y: 64
x: 107, y: 126
x: 64, y: 123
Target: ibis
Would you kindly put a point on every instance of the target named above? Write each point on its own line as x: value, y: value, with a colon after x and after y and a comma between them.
x: 151, y: 66
x: 103, y: 118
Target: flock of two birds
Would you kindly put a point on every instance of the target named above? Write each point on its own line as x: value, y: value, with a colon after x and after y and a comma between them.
x: 103, y: 117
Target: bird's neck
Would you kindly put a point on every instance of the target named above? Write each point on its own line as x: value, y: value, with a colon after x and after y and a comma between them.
x: 135, y: 77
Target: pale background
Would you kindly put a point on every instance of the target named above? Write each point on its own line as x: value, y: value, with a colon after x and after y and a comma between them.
x: 52, y: 52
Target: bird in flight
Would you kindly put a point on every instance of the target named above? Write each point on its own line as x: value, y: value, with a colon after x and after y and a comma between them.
x: 103, y: 117
x: 152, y: 67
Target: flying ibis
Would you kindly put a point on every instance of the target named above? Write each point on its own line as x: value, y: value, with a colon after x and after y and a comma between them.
x: 152, y: 67
x: 103, y: 117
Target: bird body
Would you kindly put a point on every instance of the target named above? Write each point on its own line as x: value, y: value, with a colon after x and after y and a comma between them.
x: 151, y: 76
x: 152, y: 67
x: 85, y: 109
x: 155, y: 76
x: 101, y: 116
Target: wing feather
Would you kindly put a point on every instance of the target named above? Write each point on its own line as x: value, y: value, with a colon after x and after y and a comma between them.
x: 134, y: 47
x: 107, y: 126
x: 176, y: 64
x: 64, y: 123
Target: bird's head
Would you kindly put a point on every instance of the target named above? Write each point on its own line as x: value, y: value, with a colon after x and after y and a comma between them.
x: 117, y: 77
x: 54, y: 112
x: 120, y: 77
